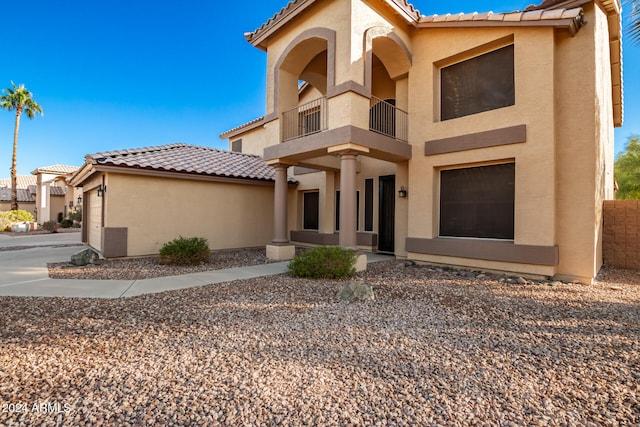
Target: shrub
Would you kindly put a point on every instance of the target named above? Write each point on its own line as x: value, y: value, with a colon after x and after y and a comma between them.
x: 324, y: 262
x: 185, y: 251
x: 60, y: 217
x: 66, y: 223
x: 9, y: 217
x: 50, y: 226
x: 76, y: 216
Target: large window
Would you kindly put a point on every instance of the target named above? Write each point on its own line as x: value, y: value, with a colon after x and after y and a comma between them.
x: 311, y: 210
x: 479, y: 84
x: 478, y: 201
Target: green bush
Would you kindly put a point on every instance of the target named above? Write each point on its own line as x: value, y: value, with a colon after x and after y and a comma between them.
x: 66, y: 223
x: 185, y: 251
x: 50, y: 226
x: 76, y: 216
x: 324, y: 262
x: 9, y: 217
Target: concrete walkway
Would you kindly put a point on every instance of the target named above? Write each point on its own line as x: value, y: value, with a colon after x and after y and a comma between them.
x: 24, y: 273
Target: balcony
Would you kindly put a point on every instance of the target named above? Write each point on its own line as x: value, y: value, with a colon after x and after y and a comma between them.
x: 305, y: 119
x: 387, y: 119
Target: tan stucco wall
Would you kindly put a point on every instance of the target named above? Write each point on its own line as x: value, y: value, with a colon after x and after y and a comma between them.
x: 156, y: 210
x: 56, y: 205
x: 253, y: 141
x: 333, y: 15
x: 535, y: 168
x: 585, y: 145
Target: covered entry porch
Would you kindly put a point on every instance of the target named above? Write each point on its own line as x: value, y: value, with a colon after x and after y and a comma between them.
x: 349, y: 192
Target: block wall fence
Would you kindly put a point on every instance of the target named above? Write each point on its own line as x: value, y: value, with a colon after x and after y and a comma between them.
x: 621, y: 234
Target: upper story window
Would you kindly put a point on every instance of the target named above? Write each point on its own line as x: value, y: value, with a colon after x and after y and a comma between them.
x: 236, y: 146
x: 479, y: 84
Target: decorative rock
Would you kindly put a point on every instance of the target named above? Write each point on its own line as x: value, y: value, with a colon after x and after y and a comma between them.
x: 481, y: 276
x: 84, y: 257
x: 521, y: 280
x: 357, y: 291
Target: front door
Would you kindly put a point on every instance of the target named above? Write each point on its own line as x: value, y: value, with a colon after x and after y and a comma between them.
x: 386, y: 213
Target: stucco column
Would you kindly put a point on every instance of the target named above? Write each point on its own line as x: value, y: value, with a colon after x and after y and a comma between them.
x: 280, y: 206
x: 348, y: 194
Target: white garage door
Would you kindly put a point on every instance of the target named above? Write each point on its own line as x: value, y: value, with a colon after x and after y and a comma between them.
x: 95, y: 220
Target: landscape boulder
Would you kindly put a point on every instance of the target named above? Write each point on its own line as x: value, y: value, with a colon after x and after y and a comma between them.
x: 84, y: 257
x: 357, y: 291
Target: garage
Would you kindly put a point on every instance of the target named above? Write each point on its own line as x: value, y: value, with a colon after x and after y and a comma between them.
x: 95, y: 220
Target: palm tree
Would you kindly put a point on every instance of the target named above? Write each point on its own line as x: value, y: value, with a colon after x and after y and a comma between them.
x: 18, y: 98
x: 634, y: 21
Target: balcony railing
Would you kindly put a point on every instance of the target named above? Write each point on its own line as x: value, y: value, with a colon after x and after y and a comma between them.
x: 305, y: 119
x: 387, y: 119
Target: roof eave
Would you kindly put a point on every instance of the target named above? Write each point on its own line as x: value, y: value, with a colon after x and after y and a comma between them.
x: 279, y: 20
x: 259, y: 37
x: 242, y: 128
x: 571, y: 24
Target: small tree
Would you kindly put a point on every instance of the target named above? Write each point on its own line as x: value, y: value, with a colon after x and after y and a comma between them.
x: 627, y: 170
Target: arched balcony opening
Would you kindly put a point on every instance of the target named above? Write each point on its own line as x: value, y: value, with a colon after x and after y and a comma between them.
x: 389, y: 62
x: 303, y: 80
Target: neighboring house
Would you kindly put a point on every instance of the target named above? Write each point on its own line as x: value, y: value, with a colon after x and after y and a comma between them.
x: 53, y: 195
x: 479, y: 140
x: 136, y: 200
x: 26, y: 188
x: 25, y: 200
x: 45, y: 193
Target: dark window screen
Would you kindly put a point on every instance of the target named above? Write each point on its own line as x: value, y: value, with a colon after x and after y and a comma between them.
x: 311, y: 205
x: 479, y: 84
x: 236, y: 146
x: 368, y: 204
x: 478, y: 201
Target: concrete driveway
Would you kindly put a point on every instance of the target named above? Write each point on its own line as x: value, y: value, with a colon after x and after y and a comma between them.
x: 49, y: 239
x: 23, y: 271
x: 23, y: 259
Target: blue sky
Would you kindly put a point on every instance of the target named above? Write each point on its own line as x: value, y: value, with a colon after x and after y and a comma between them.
x: 123, y: 74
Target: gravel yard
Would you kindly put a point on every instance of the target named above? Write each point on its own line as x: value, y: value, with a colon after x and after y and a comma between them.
x: 435, y: 348
x: 148, y: 267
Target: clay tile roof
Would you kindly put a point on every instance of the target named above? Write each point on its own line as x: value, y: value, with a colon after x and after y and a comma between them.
x: 573, y: 17
x: 189, y: 159
x: 246, y: 126
x: 22, y: 181
x: 295, y: 7
x: 56, y: 169
x: 23, y: 195
x: 56, y: 191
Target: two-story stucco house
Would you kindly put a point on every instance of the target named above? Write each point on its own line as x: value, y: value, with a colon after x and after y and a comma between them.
x: 482, y: 140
